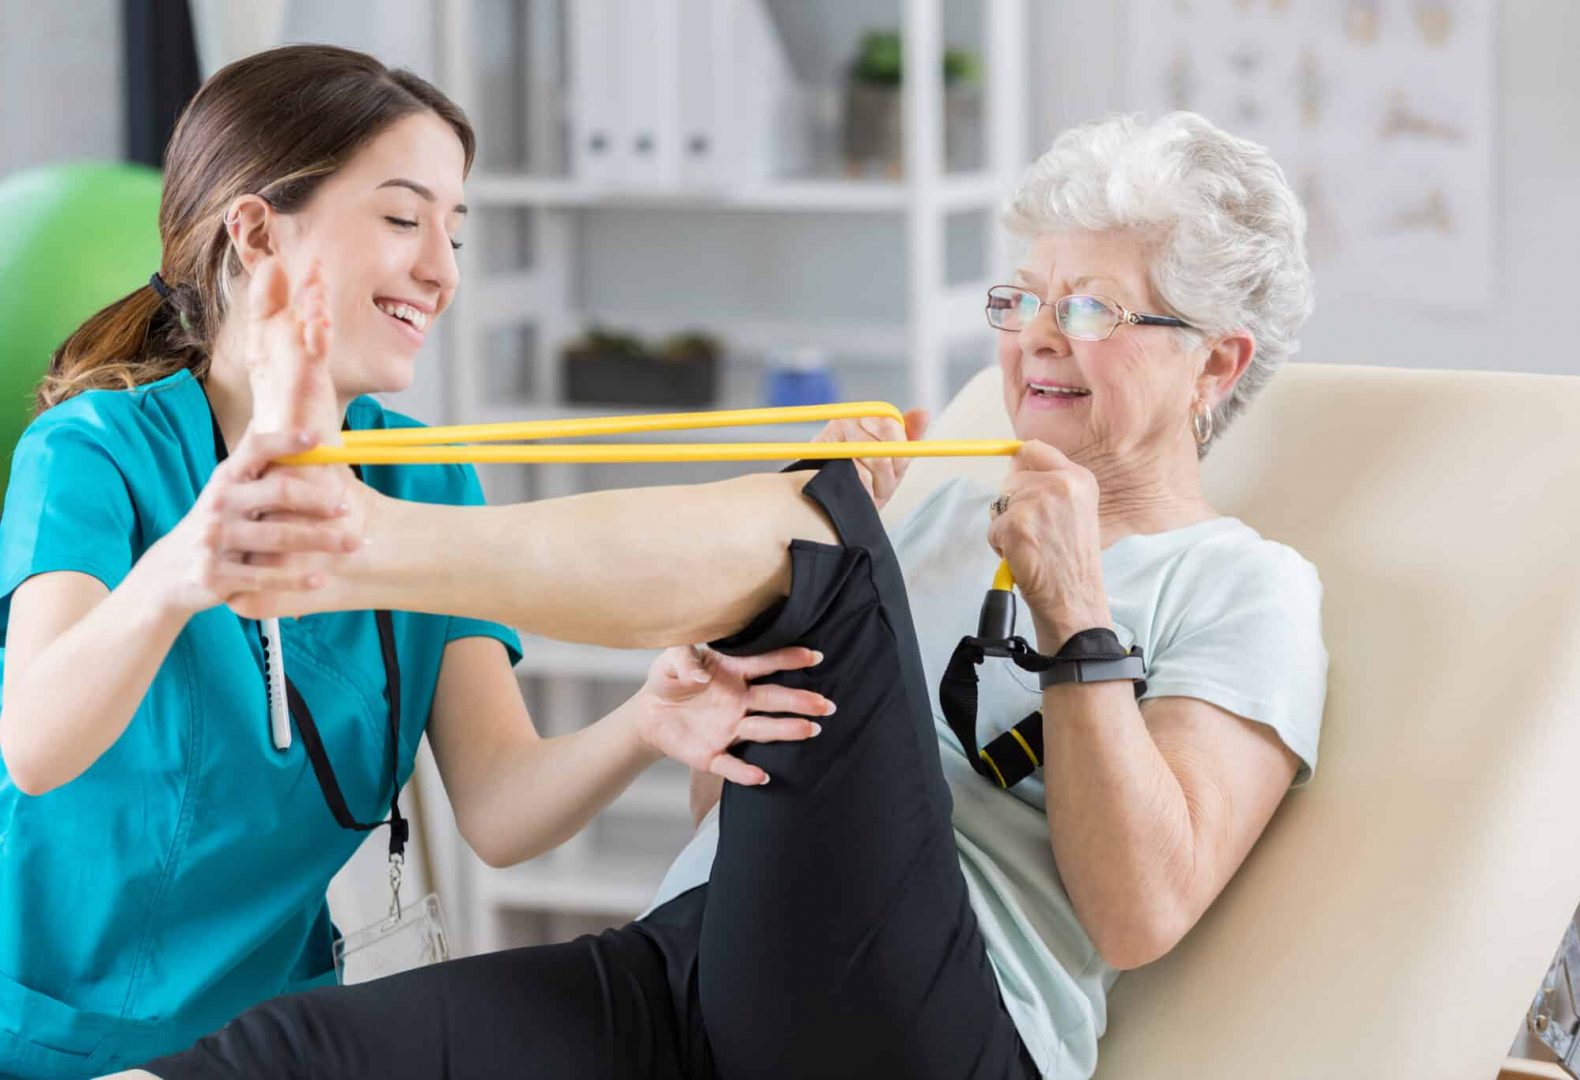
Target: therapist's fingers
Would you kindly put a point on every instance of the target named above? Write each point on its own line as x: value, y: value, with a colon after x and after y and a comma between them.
x: 259, y: 449
x: 769, y: 698
x: 284, y: 537
x: 282, y: 493
x: 234, y: 572
x: 239, y: 578
x: 776, y: 729
x: 737, y: 771
x: 793, y: 658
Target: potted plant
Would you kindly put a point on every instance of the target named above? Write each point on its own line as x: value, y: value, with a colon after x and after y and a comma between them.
x: 873, y: 116
x: 606, y: 367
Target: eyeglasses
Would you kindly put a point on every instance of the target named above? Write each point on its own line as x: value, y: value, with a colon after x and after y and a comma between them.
x: 1085, y: 318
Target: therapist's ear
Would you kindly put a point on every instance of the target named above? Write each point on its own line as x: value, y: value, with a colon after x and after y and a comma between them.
x: 252, y: 225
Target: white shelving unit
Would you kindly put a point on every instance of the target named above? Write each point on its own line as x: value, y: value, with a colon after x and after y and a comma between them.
x: 613, y: 867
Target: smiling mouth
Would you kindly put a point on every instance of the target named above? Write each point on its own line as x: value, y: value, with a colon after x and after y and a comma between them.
x: 1053, y: 390
x: 417, y: 320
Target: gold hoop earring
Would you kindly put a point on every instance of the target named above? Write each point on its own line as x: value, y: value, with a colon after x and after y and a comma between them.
x: 1201, y: 422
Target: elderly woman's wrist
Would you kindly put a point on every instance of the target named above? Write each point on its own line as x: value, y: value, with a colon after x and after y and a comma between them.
x: 1057, y: 625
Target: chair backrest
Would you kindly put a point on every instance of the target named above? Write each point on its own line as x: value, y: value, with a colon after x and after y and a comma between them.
x: 1399, y: 912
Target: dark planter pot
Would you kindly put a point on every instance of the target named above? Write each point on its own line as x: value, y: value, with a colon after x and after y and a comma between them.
x: 613, y: 379
x: 874, y: 134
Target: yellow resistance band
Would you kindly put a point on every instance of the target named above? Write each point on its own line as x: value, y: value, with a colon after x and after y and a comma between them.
x: 458, y: 444
x: 450, y: 445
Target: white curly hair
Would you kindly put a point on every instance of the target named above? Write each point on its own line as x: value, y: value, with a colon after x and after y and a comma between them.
x: 1232, y: 235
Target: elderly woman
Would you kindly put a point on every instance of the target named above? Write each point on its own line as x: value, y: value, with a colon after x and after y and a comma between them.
x: 882, y: 908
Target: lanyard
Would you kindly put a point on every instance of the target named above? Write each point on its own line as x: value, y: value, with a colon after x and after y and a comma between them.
x: 328, y: 784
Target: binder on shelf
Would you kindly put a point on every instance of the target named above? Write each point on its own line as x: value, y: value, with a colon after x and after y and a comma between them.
x: 545, y: 83
x: 681, y: 93
x: 647, y: 44
x: 704, y: 46
x: 597, y: 132
x: 765, y: 116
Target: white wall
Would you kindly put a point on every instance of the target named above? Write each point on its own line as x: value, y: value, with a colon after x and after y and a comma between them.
x: 60, y: 82
x: 1537, y: 197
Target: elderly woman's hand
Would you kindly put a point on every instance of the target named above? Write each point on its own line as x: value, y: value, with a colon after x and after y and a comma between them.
x: 880, y: 476
x: 1048, y: 532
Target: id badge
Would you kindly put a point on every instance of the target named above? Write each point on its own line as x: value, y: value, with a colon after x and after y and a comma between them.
x: 411, y: 936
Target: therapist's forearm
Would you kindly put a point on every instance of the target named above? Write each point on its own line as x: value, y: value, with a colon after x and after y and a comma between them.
x: 75, y: 698
x: 549, y: 789
x: 635, y: 568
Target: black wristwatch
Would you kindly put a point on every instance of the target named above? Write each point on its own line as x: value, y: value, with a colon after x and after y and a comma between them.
x: 1094, y: 655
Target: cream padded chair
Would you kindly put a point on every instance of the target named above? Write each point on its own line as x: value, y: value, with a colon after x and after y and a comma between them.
x: 1399, y: 912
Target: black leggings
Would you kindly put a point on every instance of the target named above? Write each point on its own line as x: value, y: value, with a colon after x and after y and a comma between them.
x: 835, y: 938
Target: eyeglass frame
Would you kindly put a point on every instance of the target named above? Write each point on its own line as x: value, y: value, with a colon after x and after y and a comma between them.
x: 1126, y: 316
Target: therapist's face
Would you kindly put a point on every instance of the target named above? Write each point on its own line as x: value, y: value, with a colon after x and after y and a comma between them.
x: 384, y: 228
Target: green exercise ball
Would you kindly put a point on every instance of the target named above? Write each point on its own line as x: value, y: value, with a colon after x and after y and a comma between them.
x: 72, y: 239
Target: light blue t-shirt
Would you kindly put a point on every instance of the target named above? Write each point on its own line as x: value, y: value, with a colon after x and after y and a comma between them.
x: 181, y: 878
x: 1220, y: 613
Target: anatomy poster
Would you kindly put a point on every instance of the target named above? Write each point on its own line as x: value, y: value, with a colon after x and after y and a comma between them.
x: 1379, y: 111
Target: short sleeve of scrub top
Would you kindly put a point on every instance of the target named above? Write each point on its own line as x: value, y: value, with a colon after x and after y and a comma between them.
x: 68, y: 508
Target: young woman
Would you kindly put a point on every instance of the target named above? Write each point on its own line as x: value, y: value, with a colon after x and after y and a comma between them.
x: 164, y: 845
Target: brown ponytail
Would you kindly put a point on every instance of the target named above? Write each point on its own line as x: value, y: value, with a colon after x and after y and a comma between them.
x: 274, y: 124
x: 109, y: 350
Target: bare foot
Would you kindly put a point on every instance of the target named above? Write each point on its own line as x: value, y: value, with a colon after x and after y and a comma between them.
x: 287, y: 358
x: 287, y: 353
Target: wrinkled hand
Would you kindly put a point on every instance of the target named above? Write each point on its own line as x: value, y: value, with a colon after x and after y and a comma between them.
x: 880, y: 476
x: 1049, y: 534
x: 699, y: 703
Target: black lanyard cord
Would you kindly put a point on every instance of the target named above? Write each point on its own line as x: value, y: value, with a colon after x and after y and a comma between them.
x: 328, y: 783
x: 400, y: 829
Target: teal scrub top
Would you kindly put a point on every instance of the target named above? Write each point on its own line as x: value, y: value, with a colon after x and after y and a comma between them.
x: 182, y: 877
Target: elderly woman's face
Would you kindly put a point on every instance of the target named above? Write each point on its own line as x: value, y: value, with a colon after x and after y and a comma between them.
x: 1138, y: 383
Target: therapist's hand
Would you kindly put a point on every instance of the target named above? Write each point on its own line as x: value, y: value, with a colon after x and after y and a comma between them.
x: 698, y: 703
x: 224, y: 547
x: 880, y: 476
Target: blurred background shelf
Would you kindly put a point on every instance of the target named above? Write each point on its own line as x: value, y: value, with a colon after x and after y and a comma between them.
x: 547, y: 657
x: 601, y: 885
x: 975, y: 190
x: 803, y: 207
